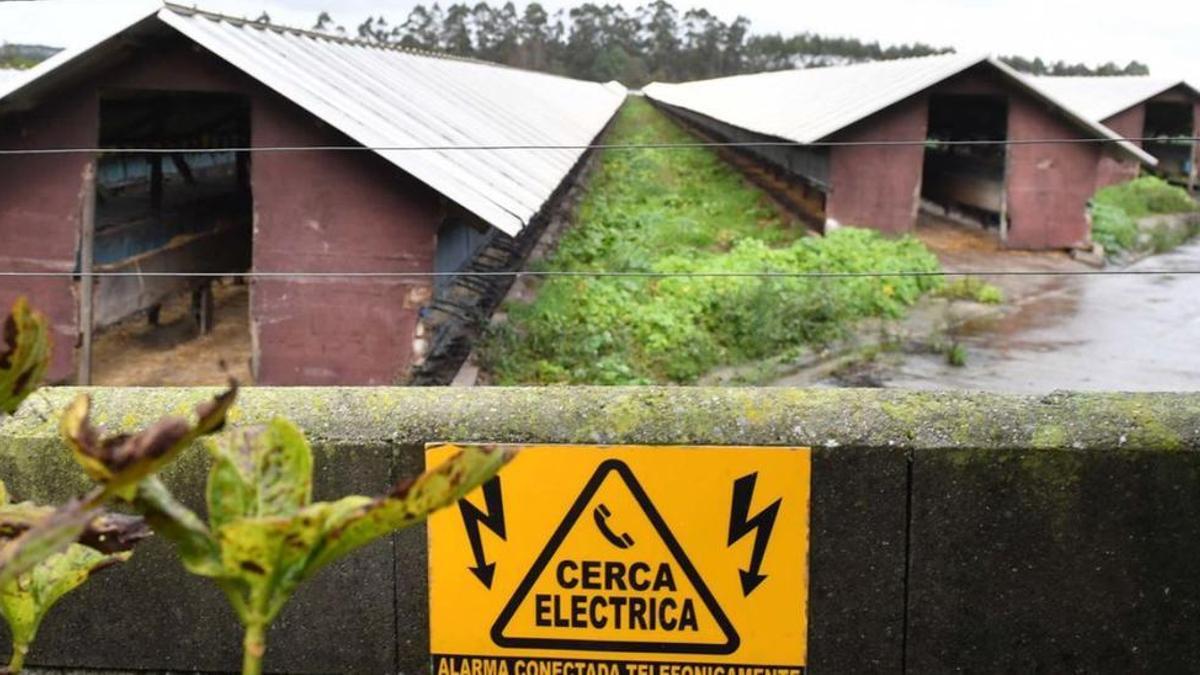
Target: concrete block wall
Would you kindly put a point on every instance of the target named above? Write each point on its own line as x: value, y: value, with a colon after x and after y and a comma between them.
x: 949, y: 531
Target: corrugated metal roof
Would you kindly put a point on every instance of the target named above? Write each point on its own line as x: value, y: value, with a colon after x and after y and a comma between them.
x: 809, y: 105
x: 1102, y: 97
x: 386, y: 97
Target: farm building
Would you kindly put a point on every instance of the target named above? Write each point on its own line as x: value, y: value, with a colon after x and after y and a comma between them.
x: 871, y: 144
x: 156, y: 184
x: 1166, y: 111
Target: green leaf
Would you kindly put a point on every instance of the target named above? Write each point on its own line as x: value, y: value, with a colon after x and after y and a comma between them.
x: 24, y: 355
x: 260, y: 472
x: 29, y: 534
x: 120, y: 461
x: 195, y: 544
x: 269, y: 556
x: 410, y: 502
x: 40, y: 536
x: 25, y: 600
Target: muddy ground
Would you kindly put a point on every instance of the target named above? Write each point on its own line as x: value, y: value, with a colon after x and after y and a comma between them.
x: 1117, y: 332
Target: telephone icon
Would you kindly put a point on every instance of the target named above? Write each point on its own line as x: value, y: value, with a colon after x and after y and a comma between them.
x: 601, y: 514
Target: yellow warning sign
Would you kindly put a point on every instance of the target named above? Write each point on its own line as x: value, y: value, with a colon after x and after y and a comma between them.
x: 590, y: 560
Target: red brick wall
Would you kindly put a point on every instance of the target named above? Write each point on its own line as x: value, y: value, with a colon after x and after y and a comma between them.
x: 879, y: 186
x: 334, y: 212
x: 329, y: 212
x: 41, y: 203
x: 1049, y: 184
x: 1117, y: 167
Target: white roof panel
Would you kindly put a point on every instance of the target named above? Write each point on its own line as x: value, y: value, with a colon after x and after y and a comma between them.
x: 1101, y: 97
x: 390, y: 98
x: 808, y: 105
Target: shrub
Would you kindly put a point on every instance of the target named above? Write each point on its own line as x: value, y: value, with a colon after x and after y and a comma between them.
x: 1116, y: 209
x: 675, y: 329
x: 1113, y: 228
x: 1145, y: 196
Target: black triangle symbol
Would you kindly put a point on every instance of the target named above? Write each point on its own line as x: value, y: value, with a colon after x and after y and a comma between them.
x: 732, y: 641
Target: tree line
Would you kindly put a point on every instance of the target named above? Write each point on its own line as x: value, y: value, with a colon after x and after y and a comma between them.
x: 1040, y: 67
x: 654, y: 41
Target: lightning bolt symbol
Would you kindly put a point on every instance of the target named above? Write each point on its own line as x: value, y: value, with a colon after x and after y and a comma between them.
x: 492, y: 519
x: 741, y: 524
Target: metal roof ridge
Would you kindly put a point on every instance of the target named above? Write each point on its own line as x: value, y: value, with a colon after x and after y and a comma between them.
x: 240, y: 22
x: 976, y: 56
x: 1164, y: 84
x: 969, y: 61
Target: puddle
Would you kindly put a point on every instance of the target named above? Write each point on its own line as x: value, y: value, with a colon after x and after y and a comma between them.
x: 1123, y: 333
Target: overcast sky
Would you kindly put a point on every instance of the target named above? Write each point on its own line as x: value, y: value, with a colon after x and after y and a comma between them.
x: 1163, y: 33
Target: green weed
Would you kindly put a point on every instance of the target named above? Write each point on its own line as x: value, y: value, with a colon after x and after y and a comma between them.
x: 1116, y: 209
x: 970, y: 288
x: 956, y: 355
x: 1146, y: 196
x: 685, y: 210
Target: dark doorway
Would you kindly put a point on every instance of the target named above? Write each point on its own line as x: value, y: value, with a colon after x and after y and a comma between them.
x: 962, y: 180
x: 183, y: 206
x: 1170, y: 126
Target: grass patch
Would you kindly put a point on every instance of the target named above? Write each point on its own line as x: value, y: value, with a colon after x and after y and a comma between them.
x: 685, y: 210
x: 970, y: 288
x: 1116, y: 209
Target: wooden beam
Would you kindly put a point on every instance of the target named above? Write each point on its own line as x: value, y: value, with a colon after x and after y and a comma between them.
x: 87, y: 282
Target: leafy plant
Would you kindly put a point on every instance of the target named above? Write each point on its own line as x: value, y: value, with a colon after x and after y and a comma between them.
x: 265, y: 537
x: 25, y: 598
x: 1113, y: 228
x: 25, y: 356
x: 1146, y: 196
x: 46, y: 552
x: 1117, y: 208
x: 685, y: 210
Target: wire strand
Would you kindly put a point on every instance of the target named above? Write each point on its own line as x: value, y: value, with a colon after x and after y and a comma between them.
x: 592, y: 146
x: 618, y: 275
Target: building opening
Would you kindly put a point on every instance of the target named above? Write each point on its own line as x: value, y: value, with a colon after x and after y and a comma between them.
x: 183, y: 207
x: 966, y: 182
x: 1170, y: 125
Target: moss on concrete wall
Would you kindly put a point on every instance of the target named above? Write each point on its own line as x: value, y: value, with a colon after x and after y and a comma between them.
x: 950, y: 531
x: 653, y: 415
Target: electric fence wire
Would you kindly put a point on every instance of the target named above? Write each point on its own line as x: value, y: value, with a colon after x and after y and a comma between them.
x: 550, y: 274
x: 594, y: 274
x: 593, y: 146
